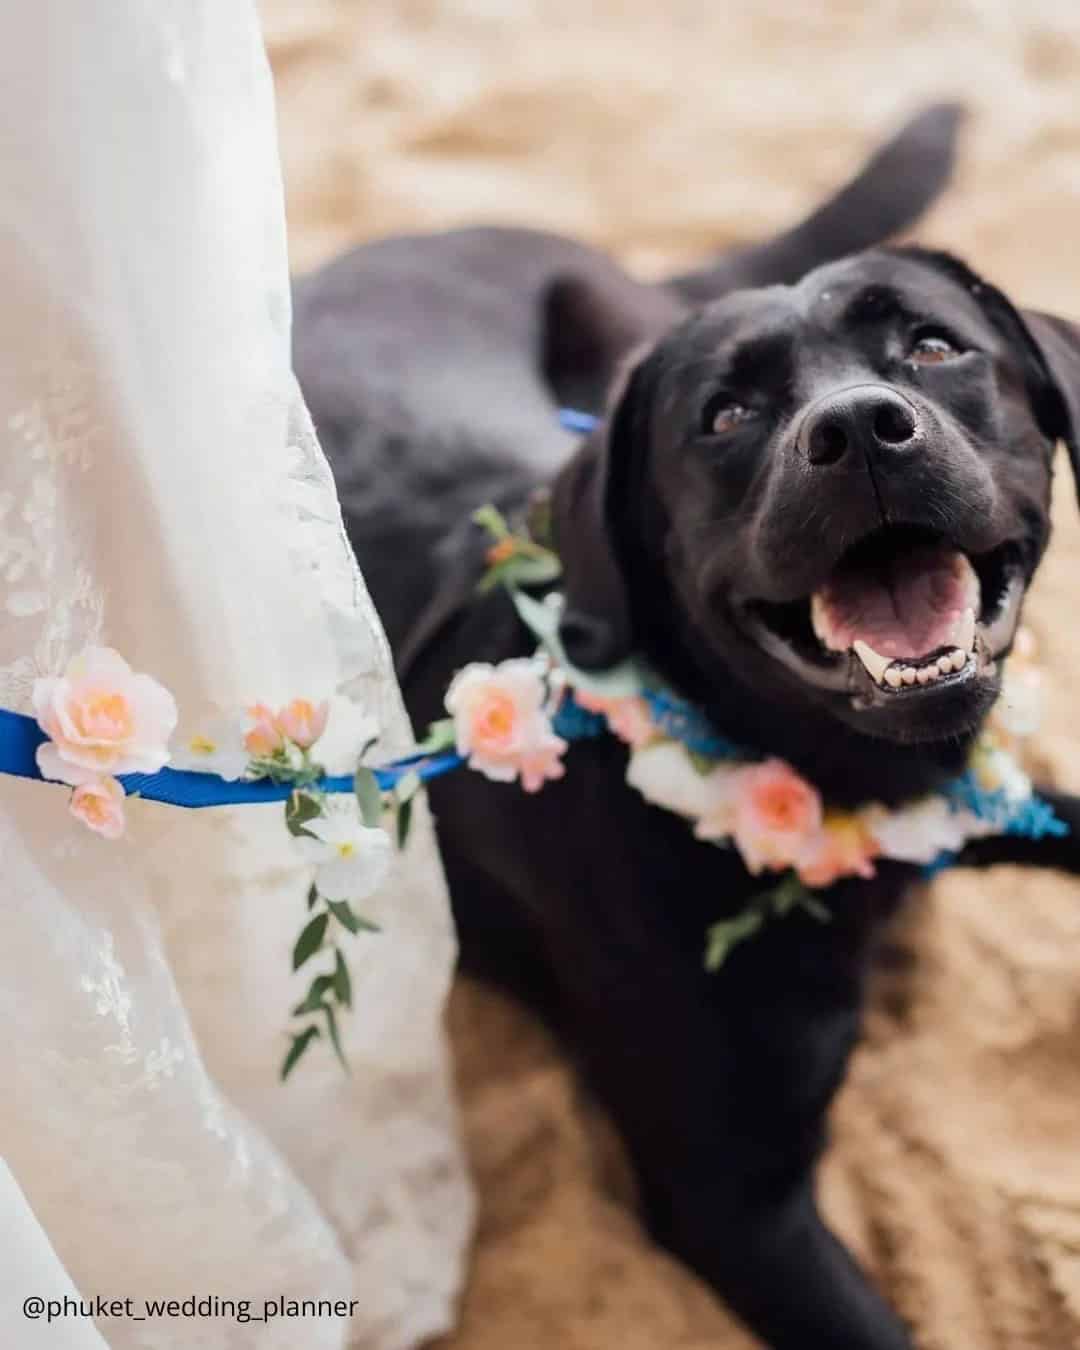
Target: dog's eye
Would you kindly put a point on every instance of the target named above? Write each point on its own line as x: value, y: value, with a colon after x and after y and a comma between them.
x: 723, y: 414
x: 930, y: 349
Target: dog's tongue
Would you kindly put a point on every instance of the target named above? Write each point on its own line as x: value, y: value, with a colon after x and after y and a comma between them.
x: 903, y: 607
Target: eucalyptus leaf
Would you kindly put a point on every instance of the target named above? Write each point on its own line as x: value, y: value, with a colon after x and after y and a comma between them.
x: 332, y: 1028
x: 342, y: 982
x: 786, y: 895
x: 300, y: 809
x: 313, y: 999
x: 816, y: 908
x: 722, y: 937
x: 348, y: 918
x: 342, y: 911
x: 404, y: 821
x: 312, y: 896
x: 408, y: 786
x: 310, y: 940
x: 300, y: 1043
x: 491, y: 519
x: 369, y: 795
x: 440, y: 736
x: 621, y: 681
x: 704, y: 764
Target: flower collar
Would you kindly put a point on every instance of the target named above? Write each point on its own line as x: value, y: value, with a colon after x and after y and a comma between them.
x: 514, y: 721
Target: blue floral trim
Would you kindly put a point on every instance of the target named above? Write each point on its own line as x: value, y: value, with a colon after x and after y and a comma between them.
x: 683, y: 722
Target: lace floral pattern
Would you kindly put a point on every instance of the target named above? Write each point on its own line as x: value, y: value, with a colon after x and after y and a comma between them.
x: 162, y: 491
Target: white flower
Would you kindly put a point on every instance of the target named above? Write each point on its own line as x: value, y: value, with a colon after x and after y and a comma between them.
x: 351, y: 858
x: 919, y: 832
x: 664, y: 773
x: 1018, y: 710
x: 998, y: 771
x: 217, y: 747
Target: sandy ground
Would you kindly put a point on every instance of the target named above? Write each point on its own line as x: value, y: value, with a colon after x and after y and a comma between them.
x: 660, y: 131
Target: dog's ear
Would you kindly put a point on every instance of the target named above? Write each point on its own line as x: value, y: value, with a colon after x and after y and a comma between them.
x: 1057, y: 342
x: 590, y: 321
x: 1048, y: 346
x: 596, y: 629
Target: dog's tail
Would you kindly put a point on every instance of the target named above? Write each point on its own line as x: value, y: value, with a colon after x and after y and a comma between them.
x: 892, y: 189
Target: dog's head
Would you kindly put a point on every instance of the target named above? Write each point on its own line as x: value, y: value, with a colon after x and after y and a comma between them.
x: 834, y: 494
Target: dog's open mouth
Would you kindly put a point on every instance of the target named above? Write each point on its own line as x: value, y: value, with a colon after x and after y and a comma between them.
x: 904, y: 609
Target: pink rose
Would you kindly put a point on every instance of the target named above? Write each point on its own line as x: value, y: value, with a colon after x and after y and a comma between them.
x: 843, y: 847
x: 500, y: 724
x: 99, y: 804
x: 629, y: 717
x: 776, y: 815
x: 101, y: 718
x: 302, y: 722
x: 264, y: 739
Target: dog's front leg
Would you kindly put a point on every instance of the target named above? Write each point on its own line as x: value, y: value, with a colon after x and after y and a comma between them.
x: 721, y: 1085
x: 1061, y: 853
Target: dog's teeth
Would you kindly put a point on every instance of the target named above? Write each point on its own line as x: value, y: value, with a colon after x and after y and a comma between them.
x: 893, y: 678
x: 908, y: 674
x: 963, y: 633
x: 922, y: 675
x: 959, y: 660
x: 945, y: 664
x: 932, y: 672
x: 874, y: 662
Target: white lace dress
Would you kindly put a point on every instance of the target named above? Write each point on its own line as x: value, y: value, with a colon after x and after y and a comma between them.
x: 161, y: 491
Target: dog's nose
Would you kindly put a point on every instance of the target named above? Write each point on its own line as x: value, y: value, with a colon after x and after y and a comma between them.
x: 869, y: 416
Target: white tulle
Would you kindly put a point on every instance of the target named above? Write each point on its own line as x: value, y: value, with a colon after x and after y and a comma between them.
x: 161, y: 491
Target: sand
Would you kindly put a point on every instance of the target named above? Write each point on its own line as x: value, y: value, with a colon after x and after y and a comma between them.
x: 660, y: 131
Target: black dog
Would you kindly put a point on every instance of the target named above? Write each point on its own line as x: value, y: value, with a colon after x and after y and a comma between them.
x: 764, y: 469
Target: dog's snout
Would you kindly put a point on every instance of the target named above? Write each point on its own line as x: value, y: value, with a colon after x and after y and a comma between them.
x: 871, y: 417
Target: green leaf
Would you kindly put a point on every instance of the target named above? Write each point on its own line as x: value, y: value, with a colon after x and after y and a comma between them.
x: 332, y: 1028
x: 313, y: 999
x: 815, y: 908
x: 621, y: 681
x: 440, y: 736
x: 704, y: 764
x: 404, y: 821
x: 536, y: 567
x: 784, y: 897
x: 369, y: 795
x: 408, y: 786
x: 299, y: 1044
x: 348, y: 918
x: 342, y: 983
x: 491, y: 519
x: 721, y: 937
x: 301, y: 808
x: 312, y: 896
x: 310, y: 940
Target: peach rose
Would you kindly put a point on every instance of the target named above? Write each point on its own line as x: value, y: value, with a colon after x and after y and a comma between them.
x: 302, y: 722
x: 629, y: 717
x: 99, y: 804
x: 500, y: 724
x: 102, y: 718
x: 776, y: 815
x: 843, y: 847
x: 264, y: 739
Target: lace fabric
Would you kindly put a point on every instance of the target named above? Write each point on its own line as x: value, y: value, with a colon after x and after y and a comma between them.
x: 162, y: 491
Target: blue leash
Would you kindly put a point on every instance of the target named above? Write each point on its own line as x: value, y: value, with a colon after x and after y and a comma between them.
x: 20, y: 737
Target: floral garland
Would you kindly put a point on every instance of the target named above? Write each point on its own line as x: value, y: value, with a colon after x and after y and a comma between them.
x: 104, y: 721
x: 507, y: 721
x: 514, y: 722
